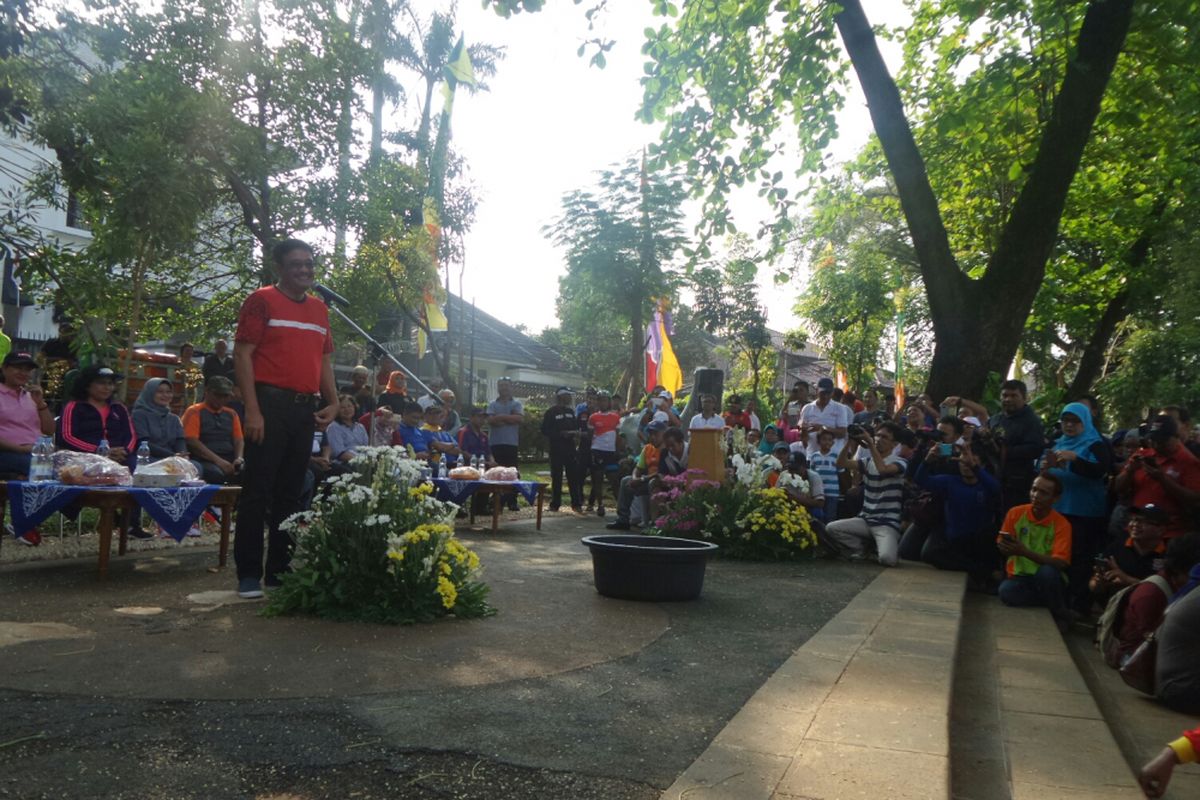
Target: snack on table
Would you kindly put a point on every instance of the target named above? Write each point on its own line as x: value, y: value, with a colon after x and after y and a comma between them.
x: 501, y: 474
x: 464, y: 474
x: 174, y: 465
x: 89, y: 469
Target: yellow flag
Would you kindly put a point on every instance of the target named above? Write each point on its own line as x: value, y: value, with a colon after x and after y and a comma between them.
x: 669, y: 373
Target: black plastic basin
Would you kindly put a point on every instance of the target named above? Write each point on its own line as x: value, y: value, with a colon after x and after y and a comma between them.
x: 655, y: 568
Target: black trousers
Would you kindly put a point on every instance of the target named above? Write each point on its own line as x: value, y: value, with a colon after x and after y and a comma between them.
x: 273, y: 482
x: 563, y: 459
x: 506, y: 456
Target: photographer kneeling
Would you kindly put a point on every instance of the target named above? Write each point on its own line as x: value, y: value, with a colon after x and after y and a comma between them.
x: 883, y: 495
x: 968, y: 496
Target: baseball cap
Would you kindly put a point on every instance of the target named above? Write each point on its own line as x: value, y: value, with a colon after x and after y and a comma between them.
x: 825, y: 385
x: 782, y: 446
x: 475, y: 410
x: 972, y: 421
x: 656, y: 425
x: 1151, y: 513
x: 219, y: 384
x: 19, y: 359
x: 562, y: 390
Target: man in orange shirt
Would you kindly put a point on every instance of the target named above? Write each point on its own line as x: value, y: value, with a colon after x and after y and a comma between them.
x: 282, y: 357
x: 1036, y: 539
x: 213, y: 433
x: 638, y: 484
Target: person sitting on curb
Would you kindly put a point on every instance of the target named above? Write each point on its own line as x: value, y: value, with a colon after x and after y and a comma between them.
x: 1177, y: 663
x: 213, y: 433
x: 1155, y: 774
x: 1125, y: 563
x: 1036, y: 540
x: 1147, y: 601
x: 639, y: 483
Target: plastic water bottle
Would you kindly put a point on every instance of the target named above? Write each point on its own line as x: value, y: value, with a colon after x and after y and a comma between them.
x: 41, y: 465
x: 103, y: 449
x: 143, y: 455
x: 441, y: 468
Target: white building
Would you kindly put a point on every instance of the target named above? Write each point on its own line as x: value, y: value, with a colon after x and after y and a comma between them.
x: 28, y: 323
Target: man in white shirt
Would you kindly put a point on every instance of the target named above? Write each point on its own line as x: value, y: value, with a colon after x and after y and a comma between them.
x: 708, y: 416
x: 823, y: 414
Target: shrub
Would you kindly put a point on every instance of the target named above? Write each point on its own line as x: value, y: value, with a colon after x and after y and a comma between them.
x: 379, y: 548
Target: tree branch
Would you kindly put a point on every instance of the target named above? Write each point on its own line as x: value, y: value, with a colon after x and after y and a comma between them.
x: 945, y: 283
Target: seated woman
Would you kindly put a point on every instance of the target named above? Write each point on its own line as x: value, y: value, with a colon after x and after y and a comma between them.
x: 345, y: 433
x: 154, y: 423
x: 91, y: 416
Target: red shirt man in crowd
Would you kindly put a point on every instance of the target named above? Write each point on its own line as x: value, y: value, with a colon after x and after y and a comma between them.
x: 283, y: 359
x: 1167, y: 476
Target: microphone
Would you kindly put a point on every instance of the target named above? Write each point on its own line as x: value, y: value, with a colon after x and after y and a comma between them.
x: 330, y: 295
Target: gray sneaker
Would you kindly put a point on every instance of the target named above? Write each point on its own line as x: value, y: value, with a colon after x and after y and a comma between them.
x: 249, y: 589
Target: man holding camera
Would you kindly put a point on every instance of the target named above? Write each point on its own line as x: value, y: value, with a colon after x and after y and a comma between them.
x: 1166, y: 476
x: 883, y: 495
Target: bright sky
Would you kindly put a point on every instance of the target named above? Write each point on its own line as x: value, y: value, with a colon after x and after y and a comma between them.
x: 549, y: 123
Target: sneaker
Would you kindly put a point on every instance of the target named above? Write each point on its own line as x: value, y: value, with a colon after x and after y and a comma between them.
x: 194, y: 532
x: 30, y: 538
x: 138, y: 533
x: 577, y: 510
x: 618, y: 525
x: 249, y: 589
x: 600, y: 511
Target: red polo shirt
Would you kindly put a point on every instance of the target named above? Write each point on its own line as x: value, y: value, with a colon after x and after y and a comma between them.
x: 1184, y: 469
x: 290, y: 338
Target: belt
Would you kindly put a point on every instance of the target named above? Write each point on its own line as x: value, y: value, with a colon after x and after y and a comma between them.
x: 287, y: 395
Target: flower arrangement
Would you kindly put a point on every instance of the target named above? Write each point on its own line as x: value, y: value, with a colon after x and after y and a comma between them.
x: 774, y: 526
x: 379, y: 548
x: 752, y: 473
x: 791, y: 480
x: 745, y: 519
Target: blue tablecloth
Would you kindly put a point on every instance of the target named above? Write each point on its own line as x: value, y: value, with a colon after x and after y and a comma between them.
x: 176, y: 509
x: 456, y: 491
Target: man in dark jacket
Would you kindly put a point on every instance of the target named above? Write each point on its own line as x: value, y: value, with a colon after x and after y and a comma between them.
x: 562, y: 431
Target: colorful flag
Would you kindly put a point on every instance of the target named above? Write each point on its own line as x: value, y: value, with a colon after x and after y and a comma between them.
x: 662, y: 367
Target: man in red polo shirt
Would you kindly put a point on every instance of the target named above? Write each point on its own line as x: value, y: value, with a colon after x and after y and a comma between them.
x: 1167, y: 476
x: 283, y: 359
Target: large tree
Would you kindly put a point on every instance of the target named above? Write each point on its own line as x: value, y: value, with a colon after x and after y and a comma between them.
x: 725, y: 77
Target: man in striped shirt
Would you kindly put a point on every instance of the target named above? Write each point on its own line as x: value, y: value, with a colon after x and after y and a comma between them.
x: 883, y: 494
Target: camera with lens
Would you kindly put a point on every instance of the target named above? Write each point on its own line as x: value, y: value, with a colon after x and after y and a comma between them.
x: 856, y: 431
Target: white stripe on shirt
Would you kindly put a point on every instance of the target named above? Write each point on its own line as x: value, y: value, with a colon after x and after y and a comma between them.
x: 291, y: 323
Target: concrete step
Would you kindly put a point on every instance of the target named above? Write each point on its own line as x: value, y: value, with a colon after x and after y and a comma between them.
x: 1041, y: 735
x: 859, y: 711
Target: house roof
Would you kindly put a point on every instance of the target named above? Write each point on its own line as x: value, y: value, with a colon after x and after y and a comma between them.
x: 496, y: 341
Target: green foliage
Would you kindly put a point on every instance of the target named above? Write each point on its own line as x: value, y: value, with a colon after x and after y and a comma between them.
x: 746, y: 523
x: 379, y: 549
x: 620, y: 241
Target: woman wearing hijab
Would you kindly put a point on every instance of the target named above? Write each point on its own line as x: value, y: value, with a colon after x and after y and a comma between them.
x: 1081, y: 460
x: 770, y: 438
x: 396, y: 394
x: 154, y: 422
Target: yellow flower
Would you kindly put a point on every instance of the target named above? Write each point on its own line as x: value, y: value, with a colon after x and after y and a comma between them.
x: 445, y: 587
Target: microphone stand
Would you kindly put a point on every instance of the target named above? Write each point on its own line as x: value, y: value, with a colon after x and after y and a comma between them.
x: 377, y: 350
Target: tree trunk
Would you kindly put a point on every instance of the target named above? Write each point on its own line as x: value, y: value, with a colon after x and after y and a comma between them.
x: 637, y: 349
x: 978, y: 324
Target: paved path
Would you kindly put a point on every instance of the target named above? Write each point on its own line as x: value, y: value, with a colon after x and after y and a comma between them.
x: 858, y: 711
x: 561, y: 694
